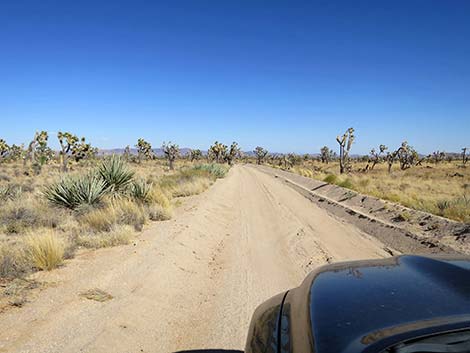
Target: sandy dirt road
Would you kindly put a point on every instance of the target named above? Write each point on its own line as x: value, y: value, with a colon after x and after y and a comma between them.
x: 189, y: 283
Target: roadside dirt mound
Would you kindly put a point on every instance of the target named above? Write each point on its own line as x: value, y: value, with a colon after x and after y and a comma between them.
x: 402, y: 228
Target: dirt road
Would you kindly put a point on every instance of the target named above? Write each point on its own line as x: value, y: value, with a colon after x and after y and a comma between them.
x: 189, y: 283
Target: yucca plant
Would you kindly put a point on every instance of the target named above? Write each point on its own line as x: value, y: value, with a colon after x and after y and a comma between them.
x: 116, y: 175
x: 74, y: 191
x: 140, y: 190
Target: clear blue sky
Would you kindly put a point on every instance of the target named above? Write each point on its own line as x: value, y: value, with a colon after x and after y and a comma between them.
x: 286, y: 75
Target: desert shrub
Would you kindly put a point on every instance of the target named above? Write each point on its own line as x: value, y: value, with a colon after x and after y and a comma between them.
x: 330, y: 178
x: 404, y: 216
x: 130, y: 213
x: 100, y: 219
x: 21, y: 214
x: 13, y: 261
x: 116, y: 175
x: 75, y: 191
x: 157, y: 196
x: 216, y: 170
x: 45, y: 249
x: 188, y: 182
x: 458, y: 209
x: 117, y: 235
x: 140, y: 191
x: 442, y: 206
x: 157, y: 212
x: 364, y: 182
x: 347, y: 183
x: 192, y: 187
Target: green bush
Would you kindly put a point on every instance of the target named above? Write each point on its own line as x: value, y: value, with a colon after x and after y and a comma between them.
x: 331, y: 179
x: 216, y: 170
x: 348, y: 184
x: 75, y: 191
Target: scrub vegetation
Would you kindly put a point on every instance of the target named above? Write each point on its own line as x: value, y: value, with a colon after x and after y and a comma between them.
x: 54, y: 203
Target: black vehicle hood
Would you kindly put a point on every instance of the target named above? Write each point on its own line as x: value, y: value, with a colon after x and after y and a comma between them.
x: 367, y: 306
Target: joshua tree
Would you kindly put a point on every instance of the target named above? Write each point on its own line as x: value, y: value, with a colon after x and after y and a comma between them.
x: 195, y: 155
x: 171, y: 151
x: 144, y: 149
x: 4, y: 149
x: 83, y: 150
x: 438, y: 156
x: 326, y: 154
x: 67, y: 142
x: 375, y: 157
x: 233, y: 153
x: 345, y: 142
x: 294, y: 159
x: 260, y: 154
x: 38, y: 153
x: 16, y: 152
x: 407, y: 155
x: 464, y: 156
x: 43, y: 152
x: 217, y: 152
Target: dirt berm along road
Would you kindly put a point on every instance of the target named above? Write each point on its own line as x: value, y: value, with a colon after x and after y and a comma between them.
x: 189, y: 283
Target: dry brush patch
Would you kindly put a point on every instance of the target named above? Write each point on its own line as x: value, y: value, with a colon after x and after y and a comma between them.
x: 45, y: 218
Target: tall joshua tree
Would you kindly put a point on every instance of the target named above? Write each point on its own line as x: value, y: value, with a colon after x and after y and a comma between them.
x: 326, y: 154
x: 83, y: 150
x: 375, y: 157
x: 464, y: 156
x: 38, y: 152
x: 195, y: 155
x: 171, y: 151
x: 144, y: 149
x: 217, y: 152
x: 233, y: 153
x: 345, y: 143
x: 260, y: 154
x: 67, y: 142
x: 407, y: 155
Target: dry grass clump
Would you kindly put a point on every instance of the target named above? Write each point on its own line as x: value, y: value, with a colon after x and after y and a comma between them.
x: 45, y: 249
x: 117, y: 235
x: 100, y: 219
x: 157, y: 212
x: 120, y: 211
x: 130, y: 213
x: 157, y: 196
